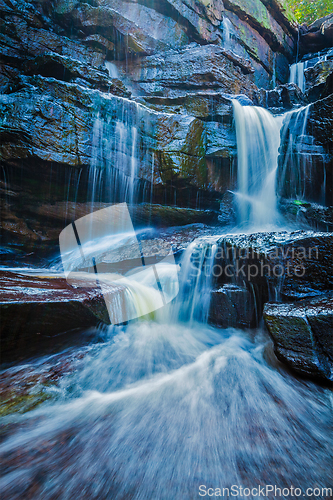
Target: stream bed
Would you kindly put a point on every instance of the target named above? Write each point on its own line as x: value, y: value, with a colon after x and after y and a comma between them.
x: 157, y: 410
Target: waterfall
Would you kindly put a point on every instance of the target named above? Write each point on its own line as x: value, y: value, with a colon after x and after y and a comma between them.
x: 112, y: 69
x: 227, y: 30
x: 117, y: 153
x: 196, y: 280
x: 297, y: 74
x: 258, y: 141
x: 302, y: 174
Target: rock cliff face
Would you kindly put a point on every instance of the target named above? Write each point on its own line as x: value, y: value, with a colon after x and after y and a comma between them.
x: 132, y: 100
x: 137, y: 91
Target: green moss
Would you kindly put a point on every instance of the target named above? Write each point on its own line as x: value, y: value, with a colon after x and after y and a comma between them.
x: 301, y: 203
x: 21, y: 403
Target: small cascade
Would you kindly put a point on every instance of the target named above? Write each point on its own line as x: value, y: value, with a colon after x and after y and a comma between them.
x: 302, y: 175
x: 297, y: 74
x: 117, y: 152
x: 230, y: 38
x: 258, y: 141
x: 112, y: 69
x: 227, y: 30
x: 196, y: 281
x: 298, y: 70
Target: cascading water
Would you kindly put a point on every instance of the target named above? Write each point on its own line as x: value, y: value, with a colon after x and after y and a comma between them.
x: 164, y: 407
x: 227, y: 30
x: 294, y: 173
x: 258, y: 141
x: 193, y: 301
x: 302, y: 174
x: 297, y: 74
x: 117, y: 152
x: 161, y: 409
x: 297, y: 71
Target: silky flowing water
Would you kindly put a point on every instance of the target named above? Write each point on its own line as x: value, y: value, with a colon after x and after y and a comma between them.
x: 167, y: 403
x: 258, y: 141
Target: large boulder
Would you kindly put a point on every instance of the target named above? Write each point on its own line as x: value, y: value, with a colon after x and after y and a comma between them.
x: 33, y: 308
x: 303, y: 335
x: 296, y: 264
x: 318, y: 35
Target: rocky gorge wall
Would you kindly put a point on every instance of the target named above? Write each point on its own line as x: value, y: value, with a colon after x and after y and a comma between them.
x: 155, y: 122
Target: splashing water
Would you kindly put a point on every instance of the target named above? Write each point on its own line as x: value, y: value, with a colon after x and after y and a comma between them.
x: 162, y: 407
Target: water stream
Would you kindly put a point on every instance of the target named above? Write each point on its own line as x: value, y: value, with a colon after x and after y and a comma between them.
x: 167, y: 404
x: 258, y: 141
x: 297, y: 74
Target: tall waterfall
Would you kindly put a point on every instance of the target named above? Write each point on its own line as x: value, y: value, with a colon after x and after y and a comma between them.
x: 258, y: 141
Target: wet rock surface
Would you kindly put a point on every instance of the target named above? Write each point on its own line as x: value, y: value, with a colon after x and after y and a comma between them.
x: 285, y: 265
x: 291, y: 264
x: 303, y: 335
x: 308, y: 214
x: 196, y: 67
x: 292, y: 268
x: 36, y: 228
x: 281, y: 99
x: 232, y: 306
x: 24, y: 388
x: 53, y: 79
x: 36, y: 309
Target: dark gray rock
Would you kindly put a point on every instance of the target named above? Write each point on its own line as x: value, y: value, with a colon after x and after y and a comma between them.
x: 67, y: 69
x: 317, y: 36
x: 289, y: 265
x: 280, y: 99
x: 34, y: 307
x: 303, y: 335
x: 231, y: 306
x: 319, y: 80
x: 308, y: 214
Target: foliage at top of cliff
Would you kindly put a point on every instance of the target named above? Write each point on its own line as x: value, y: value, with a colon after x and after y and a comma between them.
x: 307, y: 11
